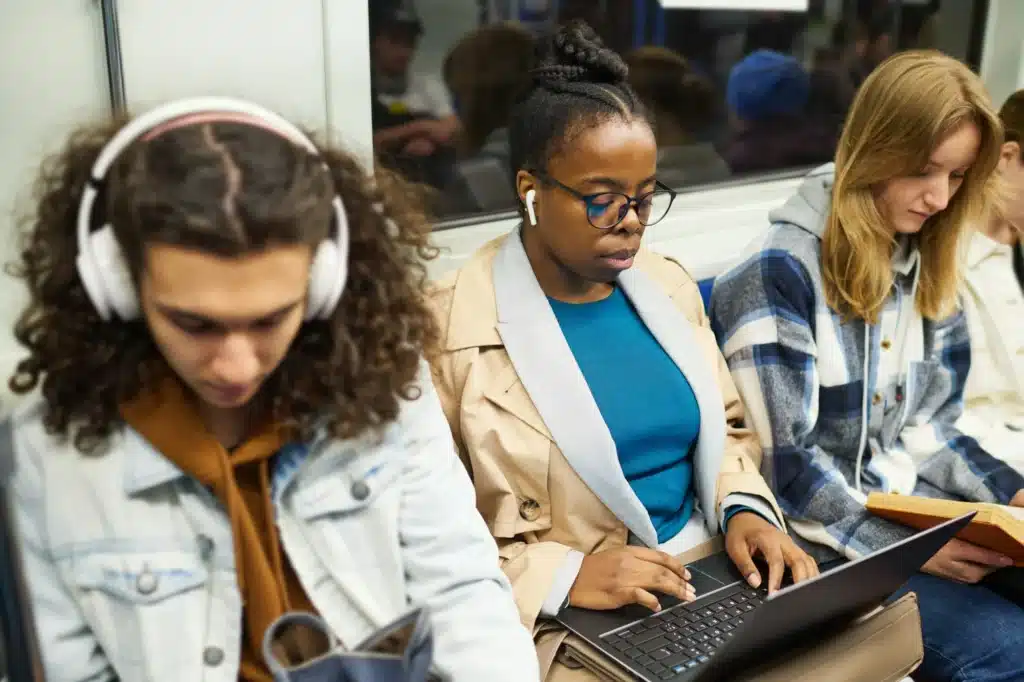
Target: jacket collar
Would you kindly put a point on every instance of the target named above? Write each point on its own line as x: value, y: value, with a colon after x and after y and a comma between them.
x: 145, y: 467
x: 982, y: 247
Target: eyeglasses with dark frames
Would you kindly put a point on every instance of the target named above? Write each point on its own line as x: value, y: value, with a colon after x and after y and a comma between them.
x: 605, y: 210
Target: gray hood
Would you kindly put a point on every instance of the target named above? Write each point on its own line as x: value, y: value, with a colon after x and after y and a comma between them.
x: 808, y: 208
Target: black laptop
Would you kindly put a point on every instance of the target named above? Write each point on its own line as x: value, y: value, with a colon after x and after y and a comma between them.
x: 730, y: 626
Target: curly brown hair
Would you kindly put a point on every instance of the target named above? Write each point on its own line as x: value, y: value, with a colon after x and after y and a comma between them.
x: 348, y: 373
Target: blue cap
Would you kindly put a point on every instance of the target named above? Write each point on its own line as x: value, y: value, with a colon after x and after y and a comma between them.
x: 766, y: 84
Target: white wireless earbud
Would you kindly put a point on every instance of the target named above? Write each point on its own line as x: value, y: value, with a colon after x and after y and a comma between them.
x: 531, y: 197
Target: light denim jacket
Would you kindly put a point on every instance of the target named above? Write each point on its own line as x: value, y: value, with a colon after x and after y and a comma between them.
x: 131, y: 568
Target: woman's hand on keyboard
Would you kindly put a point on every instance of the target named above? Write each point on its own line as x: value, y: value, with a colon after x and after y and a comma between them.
x: 629, y: 575
x: 749, y: 534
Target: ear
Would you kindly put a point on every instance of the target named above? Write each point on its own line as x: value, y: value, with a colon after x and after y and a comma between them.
x: 525, y: 181
x: 1010, y: 152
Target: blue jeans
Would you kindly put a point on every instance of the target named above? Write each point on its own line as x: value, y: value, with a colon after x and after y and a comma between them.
x: 971, y: 633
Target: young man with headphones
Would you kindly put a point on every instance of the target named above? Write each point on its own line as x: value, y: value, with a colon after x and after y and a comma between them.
x: 227, y: 329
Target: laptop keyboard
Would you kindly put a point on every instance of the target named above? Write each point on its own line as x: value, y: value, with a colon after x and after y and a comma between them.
x: 684, y: 636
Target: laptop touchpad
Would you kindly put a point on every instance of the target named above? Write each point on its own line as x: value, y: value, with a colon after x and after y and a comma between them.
x: 713, y: 572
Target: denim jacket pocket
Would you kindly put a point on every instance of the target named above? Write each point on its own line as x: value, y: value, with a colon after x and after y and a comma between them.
x: 137, y: 602
x: 140, y: 578
x: 347, y: 488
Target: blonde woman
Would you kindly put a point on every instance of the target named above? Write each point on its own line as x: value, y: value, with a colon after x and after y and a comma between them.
x: 843, y: 338
x: 994, y: 303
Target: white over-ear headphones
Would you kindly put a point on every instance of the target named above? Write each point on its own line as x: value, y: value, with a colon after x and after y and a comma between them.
x: 531, y: 198
x: 101, y: 263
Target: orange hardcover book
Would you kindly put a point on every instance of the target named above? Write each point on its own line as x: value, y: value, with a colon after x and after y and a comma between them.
x: 996, y: 527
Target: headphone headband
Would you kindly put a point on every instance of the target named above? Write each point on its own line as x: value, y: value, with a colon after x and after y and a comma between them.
x: 112, y: 291
x: 153, y: 120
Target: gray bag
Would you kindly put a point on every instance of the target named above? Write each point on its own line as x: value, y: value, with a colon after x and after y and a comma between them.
x: 400, y: 652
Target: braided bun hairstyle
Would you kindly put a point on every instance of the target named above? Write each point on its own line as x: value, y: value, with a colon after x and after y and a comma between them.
x: 577, y: 83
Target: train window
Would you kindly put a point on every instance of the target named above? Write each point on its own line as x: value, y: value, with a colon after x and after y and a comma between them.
x: 734, y: 93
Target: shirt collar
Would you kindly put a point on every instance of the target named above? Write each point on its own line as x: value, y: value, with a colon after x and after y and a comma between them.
x: 983, y: 247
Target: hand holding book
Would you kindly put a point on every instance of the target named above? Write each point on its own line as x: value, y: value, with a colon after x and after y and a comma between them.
x: 993, y: 540
x: 964, y: 562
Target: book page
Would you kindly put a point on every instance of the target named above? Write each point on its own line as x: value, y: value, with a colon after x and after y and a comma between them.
x: 1015, y: 512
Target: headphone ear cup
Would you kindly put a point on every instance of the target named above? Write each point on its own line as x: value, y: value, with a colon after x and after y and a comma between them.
x: 329, y: 270
x: 531, y: 198
x: 325, y: 281
x: 106, y: 278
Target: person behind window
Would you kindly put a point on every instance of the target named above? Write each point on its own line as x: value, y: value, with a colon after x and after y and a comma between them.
x: 876, y: 37
x: 994, y: 303
x: 680, y: 104
x: 219, y: 438
x: 919, y: 24
x: 777, y: 31
x: 767, y: 95
x: 583, y: 385
x: 487, y: 70
x: 414, y: 122
x: 840, y: 331
x: 857, y: 47
x: 832, y: 80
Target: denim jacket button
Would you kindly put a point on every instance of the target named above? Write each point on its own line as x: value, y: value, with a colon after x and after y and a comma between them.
x: 146, y: 583
x: 360, y: 491
x: 213, y: 656
x: 205, y: 543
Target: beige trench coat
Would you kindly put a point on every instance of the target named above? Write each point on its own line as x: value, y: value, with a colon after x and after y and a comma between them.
x: 545, y: 468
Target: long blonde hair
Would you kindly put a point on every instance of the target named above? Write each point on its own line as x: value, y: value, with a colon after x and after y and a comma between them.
x: 908, y: 106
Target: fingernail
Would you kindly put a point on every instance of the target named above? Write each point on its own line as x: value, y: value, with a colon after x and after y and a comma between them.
x: 686, y: 574
x: 754, y: 579
x: 657, y: 608
x: 1005, y: 561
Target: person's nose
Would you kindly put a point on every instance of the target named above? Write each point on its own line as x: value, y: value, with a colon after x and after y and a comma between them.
x: 237, y: 361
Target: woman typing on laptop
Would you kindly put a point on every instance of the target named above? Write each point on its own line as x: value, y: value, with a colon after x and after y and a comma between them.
x: 580, y: 377
x: 236, y: 420
x: 842, y: 334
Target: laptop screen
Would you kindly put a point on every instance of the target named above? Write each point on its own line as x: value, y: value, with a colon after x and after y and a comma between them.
x: 19, y: 657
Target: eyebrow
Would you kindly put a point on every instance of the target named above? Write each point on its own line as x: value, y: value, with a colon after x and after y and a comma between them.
x: 181, y: 313
x: 612, y: 182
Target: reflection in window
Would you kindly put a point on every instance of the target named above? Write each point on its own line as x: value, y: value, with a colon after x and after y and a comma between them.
x: 731, y: 93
